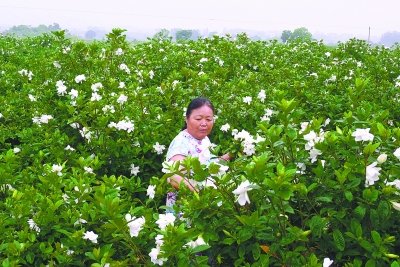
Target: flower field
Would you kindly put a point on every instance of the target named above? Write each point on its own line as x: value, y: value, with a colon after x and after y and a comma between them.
x: 84, y: 129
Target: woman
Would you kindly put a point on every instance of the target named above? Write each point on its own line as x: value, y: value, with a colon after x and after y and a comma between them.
x: 192, y: 141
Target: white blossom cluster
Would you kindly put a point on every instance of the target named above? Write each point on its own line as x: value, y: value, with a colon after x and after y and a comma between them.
x: 95, y: 91
x: 312, y: 139
x: 43, y: 119
x: 26, y: 73
x: 163, y: 221
x: 248, y: 141
x: 124, y: 125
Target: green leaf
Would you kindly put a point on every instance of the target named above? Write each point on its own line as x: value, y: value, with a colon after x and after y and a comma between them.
x: 359, y: 212
x: 339, y: 240
x: 326, y: 199
x: 370, y: 194
x: 200, y: 248
x: 370, y: 263
x: 348, y: 195
x: 376, y: 237
x: 356, y: 228
x: 317, y: 224
x: 370, y: 148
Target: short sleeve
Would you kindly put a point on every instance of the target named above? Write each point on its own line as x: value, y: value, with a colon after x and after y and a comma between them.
x: 178, y: 146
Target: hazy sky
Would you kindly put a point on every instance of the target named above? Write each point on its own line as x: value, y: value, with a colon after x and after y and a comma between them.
x: 318, y: 16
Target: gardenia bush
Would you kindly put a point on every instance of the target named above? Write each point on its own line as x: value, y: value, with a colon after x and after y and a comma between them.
x: 84, y: 129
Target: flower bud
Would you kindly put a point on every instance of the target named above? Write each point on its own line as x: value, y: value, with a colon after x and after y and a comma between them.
x: 382, y: 158
x: 396, y: 205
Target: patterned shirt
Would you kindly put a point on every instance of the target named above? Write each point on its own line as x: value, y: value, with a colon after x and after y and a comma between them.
x: 186, y: 145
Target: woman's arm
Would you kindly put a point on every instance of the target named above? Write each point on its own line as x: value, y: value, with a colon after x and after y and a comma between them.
x: 176, y: 180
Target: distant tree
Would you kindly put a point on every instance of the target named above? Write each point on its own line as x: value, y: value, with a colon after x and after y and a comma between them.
x: 28, y: 31
x: 54, y: 27
x: 390, y: 38
x: 286, y: 35
x: 299, y: 33
x: 162, y: 34
x: 90, y: 35
x: 183, y: 35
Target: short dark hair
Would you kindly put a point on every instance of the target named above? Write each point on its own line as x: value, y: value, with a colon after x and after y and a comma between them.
x: 195, y: 104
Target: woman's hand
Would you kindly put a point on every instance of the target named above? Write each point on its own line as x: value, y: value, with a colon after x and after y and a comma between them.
x: 226, y: 157
x: 177, y: 180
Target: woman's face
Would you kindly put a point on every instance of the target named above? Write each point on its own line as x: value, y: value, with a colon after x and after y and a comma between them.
x: 200, y: 122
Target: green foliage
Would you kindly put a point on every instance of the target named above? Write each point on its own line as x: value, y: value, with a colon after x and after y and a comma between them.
x: 86, y: 166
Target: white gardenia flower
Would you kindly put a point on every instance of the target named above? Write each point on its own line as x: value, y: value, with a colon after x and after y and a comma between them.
x: 56, y: 64
x: 327, y: 262
x: 151, y: 74
x: 88, y: 170
x: 57, y: 168
x: 95, y: 97
x: 372, y: 174
x: 134, y: 170
x: 73, y: 93
x: 303, y: 126
x: 151, y: 191
x: 396, y: 153
x: 16, y: 150
x: 1, y: 116
x: 167, y: 166
x: 125, y: 68
x: 44, y: 119
x: 80, y: 78
x: 301, y: 167
x: 247, y: 100
x: 382, y: 158
x: 32, y: 98
x: 267, y: 115
x: 86, y: 133
x: 70, y: 148
x: 159, y: 240
x: 261, y: 95
x: 135, y: 224
x: 395, y: 183
x: 61, y: 88
x: 154, y: 253
x: 225, y: 127
x: 80, y: 221
x: 122, y: 99
x: 108, y: 108
x: 198, y: 242
x: 126, y: 125
x: 90, y: 235
x: 327, y: 121
x: 96, y: 86
x: 33, y: 225
x: 75, y: 125
x: 314, y: 153
x: 121, y: 85
x: 159, y: 148
x: 241, y: 192
x: 396, y: 205
x: 119, y: 51
x: 362, y: 135
x: 165, y: 219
